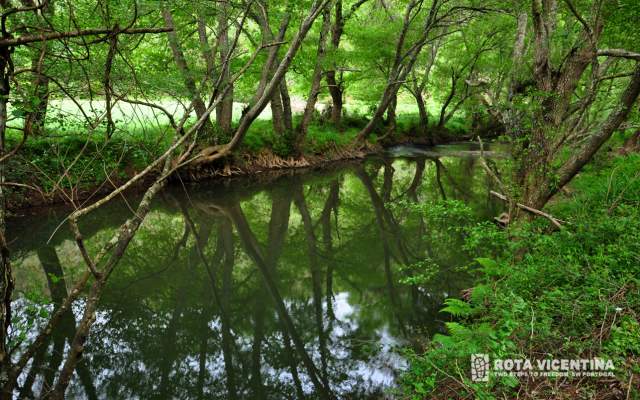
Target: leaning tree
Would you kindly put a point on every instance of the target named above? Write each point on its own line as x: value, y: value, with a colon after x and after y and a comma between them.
x: 574, y: 94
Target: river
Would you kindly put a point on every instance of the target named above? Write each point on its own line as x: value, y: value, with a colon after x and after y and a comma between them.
x: 266, y: 287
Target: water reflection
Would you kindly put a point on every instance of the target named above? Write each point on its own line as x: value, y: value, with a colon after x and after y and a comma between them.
x: 286, y: 289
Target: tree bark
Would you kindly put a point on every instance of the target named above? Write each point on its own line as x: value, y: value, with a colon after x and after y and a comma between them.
x: 581, y: 157
x: 316, y: 79
x: 208, y: 54
x: 443, y: 111
x: 335, y: 88
x: 277, y: 113
x: 280, y: 102
x: 335, y: 91
x: 189, y: 81
x: 554, y: 122
x: 224, y: 111
x: 422, y: 113
x: 286, y: 105
x: 35, y: 117
x: 113, y: 47
x: 518, y: 52
x: 391, y: 114
x: 121, y: 241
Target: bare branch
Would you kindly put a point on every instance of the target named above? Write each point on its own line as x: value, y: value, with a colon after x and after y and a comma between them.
x: 622, y: 53
x: 22, y: 40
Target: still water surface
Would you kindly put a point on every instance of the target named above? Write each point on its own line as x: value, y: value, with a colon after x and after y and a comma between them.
x: 260, y: 288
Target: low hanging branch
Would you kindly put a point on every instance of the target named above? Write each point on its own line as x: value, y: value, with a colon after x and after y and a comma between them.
x: 621, y: 53
x: 22, y: 40
x: 555, y: 221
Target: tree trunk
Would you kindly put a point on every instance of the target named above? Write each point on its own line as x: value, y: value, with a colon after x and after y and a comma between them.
x: 556, y: 122
x: 260, y: 101
x: 387, y: 97
x: 224, y: 111
x: 113, y: 46
x: 391, y: 114
x: 279, y: 100
x: 423, y: 124
x: 189, y: 81
x: 208, y: 54
x: 316, y: 79
x: 35, y: 118
x: 281, y: 112
x: 335, y: 88
x: 518, y: 52
x: 335, y: 91
x: 443, y: 111
x: 287, y: 113
x: 540, y: 184
x: 277, y: 113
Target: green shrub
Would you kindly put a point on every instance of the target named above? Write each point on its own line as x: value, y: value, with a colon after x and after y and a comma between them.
x: 574, y: 293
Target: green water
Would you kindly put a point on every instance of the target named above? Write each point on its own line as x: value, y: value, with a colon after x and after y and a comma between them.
x: 272, y: 287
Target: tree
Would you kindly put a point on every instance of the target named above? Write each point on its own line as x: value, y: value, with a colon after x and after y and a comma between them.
x: 181, y: 62
x: 409, y: 46
x: 567, y: 125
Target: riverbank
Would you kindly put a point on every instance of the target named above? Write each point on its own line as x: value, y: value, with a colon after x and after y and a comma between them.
x: 73, y: 168
x: 570, y: 294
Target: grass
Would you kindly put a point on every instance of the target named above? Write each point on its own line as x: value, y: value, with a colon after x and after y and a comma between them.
x: 570, y: 294
x: 87, y: 160
x: 320, y: 136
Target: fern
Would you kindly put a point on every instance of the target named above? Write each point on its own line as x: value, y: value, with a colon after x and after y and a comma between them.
x: 458, y: 308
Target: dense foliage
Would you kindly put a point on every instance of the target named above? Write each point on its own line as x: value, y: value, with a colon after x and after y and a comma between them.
x: 571, y: 294
x: 99, y: 97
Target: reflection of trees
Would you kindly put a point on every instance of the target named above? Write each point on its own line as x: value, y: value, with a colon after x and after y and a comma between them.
x: 390, y: 237
x: 250, y: 245
x: 64, y: 333
x: 263, y: 294
x: 330, y: 206
x: 316, y: 277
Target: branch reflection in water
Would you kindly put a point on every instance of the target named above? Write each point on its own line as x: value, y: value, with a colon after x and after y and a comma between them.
x: 295, y: 287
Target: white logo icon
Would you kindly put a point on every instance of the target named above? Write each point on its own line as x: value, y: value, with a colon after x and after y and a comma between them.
x: 480, y: 367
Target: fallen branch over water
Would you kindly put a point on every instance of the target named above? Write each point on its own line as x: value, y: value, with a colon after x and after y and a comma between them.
x: 557, y: 222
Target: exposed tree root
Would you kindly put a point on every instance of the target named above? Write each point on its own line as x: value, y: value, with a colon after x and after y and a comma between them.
x: 266, y: 160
